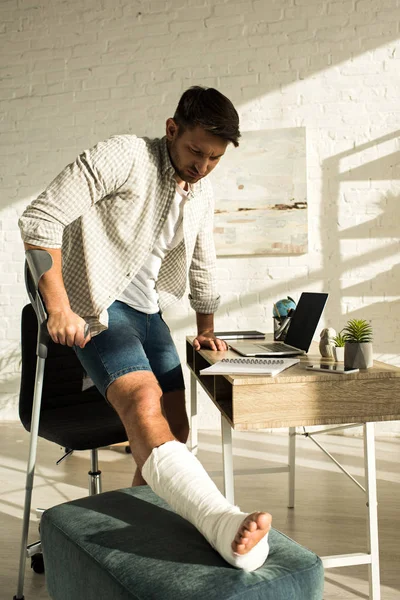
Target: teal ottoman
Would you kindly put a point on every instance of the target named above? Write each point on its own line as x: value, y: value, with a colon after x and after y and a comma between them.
x: 129, y: 545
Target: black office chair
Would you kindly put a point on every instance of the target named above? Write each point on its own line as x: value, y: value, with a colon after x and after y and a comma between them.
x: 53, y: 404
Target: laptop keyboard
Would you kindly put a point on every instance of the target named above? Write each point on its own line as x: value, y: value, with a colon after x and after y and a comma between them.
x: 274, y: 347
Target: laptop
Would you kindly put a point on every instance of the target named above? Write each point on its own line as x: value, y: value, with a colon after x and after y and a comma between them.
x: 300, y: 333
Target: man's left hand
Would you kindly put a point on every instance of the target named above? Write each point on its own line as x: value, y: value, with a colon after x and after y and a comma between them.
x: 208, y: 340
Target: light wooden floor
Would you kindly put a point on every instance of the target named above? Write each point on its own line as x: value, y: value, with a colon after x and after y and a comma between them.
x: 329, y: 517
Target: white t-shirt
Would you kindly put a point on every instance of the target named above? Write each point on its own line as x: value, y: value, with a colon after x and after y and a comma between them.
x: 141, y: 293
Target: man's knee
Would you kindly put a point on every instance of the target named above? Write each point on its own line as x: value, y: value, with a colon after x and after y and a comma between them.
x: 137, y: 392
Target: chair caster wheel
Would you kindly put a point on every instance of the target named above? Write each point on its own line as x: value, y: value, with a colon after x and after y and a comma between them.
x: 128, y: 450
x: 37, y: 563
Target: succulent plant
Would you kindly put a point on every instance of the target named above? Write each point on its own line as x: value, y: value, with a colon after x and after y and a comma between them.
x: 340, y: 339
x: 358, y: 331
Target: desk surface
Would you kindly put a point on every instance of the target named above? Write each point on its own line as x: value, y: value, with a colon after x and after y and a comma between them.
x: 296, y: 396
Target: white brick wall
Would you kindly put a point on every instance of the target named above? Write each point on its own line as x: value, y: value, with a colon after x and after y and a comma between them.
x: 72, y: 73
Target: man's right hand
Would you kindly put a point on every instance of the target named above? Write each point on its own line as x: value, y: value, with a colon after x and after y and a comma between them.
x: 67, y: 328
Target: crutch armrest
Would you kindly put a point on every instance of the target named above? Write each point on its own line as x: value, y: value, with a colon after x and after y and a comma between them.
x: 37, y: 263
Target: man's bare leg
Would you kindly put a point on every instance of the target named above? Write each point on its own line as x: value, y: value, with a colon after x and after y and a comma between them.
x: 174, y: 409
x: 137, y: 399
x: 138, y: 478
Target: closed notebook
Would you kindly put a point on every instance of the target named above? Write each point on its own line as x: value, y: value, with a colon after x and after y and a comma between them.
x: 239, y: 335
x: 250, y: 366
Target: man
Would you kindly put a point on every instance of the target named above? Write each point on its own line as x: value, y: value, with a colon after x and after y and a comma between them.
x: 126, y: 224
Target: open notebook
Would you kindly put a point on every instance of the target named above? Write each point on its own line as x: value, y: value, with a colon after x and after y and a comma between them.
x: 250, y: 366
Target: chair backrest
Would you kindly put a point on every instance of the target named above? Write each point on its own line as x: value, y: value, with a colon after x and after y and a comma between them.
x: 69, y: 416
x: 63, y: 374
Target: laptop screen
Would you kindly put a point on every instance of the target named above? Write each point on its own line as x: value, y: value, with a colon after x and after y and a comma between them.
x: 305, y: 320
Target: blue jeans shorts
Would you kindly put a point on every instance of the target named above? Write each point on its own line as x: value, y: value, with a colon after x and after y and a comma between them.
x: 134, y: 341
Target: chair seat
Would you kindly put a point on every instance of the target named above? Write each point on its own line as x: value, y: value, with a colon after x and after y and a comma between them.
x: 129, y: 544
x: 82, y: 426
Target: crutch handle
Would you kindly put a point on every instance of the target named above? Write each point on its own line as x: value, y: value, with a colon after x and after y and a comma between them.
x: 37, y: 263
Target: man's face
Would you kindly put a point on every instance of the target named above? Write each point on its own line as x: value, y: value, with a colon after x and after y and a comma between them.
x: 194, y: 153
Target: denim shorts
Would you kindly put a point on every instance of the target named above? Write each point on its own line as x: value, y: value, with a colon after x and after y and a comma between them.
x: 134, y: 341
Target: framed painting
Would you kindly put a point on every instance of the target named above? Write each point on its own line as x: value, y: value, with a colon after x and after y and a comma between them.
x: 261, y: 195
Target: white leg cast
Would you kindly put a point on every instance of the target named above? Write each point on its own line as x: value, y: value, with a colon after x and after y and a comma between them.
x: 292, y: 465
x: 176, y: 475
x: 372, y: 506
x: 193, y: 414
x: 227, y: 459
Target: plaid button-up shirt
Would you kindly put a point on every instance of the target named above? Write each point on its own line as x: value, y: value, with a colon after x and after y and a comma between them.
x: 106, y: 210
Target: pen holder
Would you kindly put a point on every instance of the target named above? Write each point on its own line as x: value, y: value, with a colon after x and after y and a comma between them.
x: 281, y: 327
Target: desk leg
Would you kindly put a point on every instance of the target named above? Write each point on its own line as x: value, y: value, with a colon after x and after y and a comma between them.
x: 292, y: 465
x: 227, y: 460
x: 372, y: 506
x: 193, y: 414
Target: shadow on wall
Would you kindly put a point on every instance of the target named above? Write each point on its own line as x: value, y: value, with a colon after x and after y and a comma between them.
x: 10, y: 374
x: 381, y: 231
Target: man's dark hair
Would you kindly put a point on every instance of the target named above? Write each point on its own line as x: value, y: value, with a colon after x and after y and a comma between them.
x: 209, y: 109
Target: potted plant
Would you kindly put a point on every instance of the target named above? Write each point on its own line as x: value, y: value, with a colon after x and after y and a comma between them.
x: 338, y: 349
x: 358, y: 344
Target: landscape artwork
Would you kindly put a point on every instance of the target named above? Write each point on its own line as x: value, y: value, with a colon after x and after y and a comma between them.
x: 261, y: 195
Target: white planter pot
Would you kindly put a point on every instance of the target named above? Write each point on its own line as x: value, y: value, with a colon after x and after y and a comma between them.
x: 338, y: 353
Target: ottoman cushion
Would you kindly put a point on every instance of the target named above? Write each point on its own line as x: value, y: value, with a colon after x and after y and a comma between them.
x: 128, y: 544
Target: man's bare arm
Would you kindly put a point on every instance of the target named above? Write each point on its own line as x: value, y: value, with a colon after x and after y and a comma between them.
x: 65, y: 327
x: 205, y: 334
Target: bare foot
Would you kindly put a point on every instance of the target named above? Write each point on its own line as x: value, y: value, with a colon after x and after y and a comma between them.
x: 138, y: 479
x: 251, y: 531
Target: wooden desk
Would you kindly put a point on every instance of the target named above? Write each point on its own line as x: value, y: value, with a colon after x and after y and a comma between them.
x: 300, y: 398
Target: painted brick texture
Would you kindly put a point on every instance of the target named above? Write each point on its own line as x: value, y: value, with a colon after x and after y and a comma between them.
x: 72, y: 73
